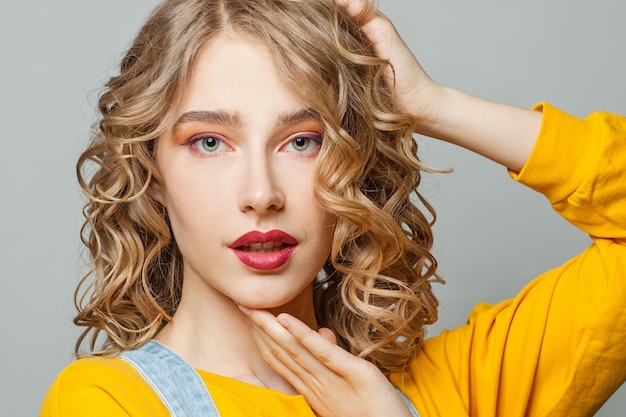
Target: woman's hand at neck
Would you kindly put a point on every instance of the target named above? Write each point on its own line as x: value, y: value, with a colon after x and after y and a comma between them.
x: 333, y: 382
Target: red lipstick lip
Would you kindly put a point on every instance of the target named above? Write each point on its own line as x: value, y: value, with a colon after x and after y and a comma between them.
x: 260, y: 237
x: 267, y: 261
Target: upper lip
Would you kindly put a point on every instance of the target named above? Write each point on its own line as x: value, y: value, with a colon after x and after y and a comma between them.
x: 275, y: 236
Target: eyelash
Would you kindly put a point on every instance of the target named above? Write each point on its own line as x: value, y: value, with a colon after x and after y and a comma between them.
x: 314, y: 140
x: 196, y: 142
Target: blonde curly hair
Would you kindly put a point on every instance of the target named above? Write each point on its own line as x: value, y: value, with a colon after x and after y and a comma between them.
x: 375, y: 291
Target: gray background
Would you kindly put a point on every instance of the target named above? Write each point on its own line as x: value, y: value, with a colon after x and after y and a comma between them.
x: 493, y: 235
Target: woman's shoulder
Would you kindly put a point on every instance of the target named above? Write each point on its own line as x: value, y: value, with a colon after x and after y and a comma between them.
x: 104, y: 386
x: 87, y: 367
x: 98, y: 372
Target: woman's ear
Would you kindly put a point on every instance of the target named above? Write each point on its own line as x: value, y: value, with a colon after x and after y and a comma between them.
x: 155, y: 190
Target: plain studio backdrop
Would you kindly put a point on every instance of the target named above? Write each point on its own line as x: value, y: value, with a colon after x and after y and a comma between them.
x: 492, y: 235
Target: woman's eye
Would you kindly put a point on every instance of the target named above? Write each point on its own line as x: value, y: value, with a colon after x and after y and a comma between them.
x: 207, y: 144
x: 306, y: 144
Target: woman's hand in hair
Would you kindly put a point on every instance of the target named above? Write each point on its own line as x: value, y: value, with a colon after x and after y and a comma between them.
x: 416, y: 93
x: 333, y: 381
x: 502, y: 133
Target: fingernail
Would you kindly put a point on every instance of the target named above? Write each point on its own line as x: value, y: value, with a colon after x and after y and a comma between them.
x: 245, y: 310
x: 282, y: 320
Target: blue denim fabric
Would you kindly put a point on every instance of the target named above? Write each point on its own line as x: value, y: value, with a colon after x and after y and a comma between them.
x: 179, y: 386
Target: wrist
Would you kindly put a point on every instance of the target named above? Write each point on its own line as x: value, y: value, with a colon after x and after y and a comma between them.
x: 434, y: 114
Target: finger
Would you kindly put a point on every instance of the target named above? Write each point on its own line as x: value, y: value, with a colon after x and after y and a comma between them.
x: 309, y: 355
x: 303, y: 382
x: 349, y: 375
x: 322, y: 345
x: 351, y: 7
x: 272, y: 353
x: 328, y: 334
x: 362, y: 10
x: 307, y: 375
x: 281, y: 346
x: 358, y: 392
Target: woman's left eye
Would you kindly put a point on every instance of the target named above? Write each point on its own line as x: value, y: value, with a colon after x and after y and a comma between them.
x: 304, y: 144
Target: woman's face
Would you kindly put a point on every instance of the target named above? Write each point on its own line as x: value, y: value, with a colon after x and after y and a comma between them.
x: 237, y: 181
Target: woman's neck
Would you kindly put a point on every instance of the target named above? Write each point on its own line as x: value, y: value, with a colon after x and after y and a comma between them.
x: 212, y: 334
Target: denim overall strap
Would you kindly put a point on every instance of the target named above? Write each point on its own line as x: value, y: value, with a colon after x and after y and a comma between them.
x: 179, y: 386
x: 408, y: 402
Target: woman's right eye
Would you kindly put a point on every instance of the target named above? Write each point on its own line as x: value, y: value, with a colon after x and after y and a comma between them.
x: 207, y: 144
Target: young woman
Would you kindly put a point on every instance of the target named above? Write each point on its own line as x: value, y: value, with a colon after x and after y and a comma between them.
x: 250, y: 219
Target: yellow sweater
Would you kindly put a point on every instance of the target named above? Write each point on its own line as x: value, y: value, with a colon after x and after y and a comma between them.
x: 556, y: 349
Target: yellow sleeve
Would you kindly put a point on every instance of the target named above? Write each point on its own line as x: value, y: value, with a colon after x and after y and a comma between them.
x: 101, y: 388
x: 580, y: 165
x: 557, y: 349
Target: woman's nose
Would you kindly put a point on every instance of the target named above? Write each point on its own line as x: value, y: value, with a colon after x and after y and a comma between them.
x: 260, y: 191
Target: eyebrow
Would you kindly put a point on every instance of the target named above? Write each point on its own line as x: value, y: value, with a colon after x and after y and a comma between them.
x: 217, y: 116
x: 298, y: 116
x: 233, y: 119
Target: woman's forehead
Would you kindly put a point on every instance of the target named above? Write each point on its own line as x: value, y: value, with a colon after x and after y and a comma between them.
x: 234, y: 78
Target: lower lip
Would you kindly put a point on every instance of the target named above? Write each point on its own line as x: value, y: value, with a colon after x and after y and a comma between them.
x: 265, y: 261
